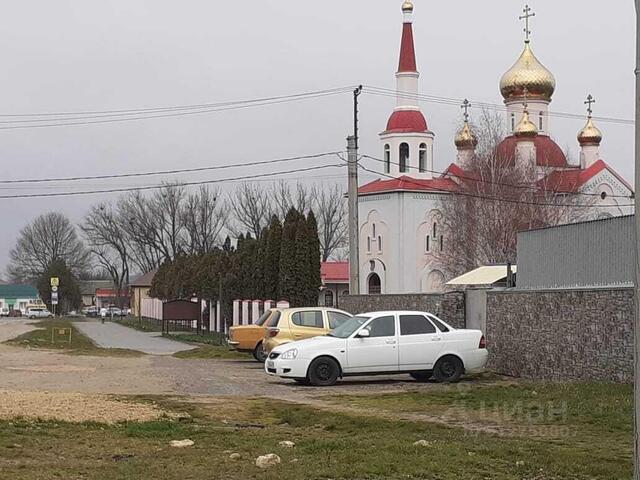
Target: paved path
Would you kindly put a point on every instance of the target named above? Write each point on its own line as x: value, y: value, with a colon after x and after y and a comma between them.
x: 113, y: 335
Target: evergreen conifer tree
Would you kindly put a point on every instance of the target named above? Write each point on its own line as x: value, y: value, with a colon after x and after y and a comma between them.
x: 289, y: 280
x: 271, y: 277
x: 314, y: 265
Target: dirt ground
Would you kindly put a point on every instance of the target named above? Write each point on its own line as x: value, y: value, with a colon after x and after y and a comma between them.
x: 26, y: 373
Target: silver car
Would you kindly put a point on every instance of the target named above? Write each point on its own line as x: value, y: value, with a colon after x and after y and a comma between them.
x: 39, y: 312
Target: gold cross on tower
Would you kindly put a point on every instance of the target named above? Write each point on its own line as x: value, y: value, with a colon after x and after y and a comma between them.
x: 466, y: 105
x: 528, y: 13
x: 590, y: 101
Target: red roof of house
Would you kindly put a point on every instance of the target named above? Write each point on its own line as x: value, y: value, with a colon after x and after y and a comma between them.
x: 409, y: 184
x: 548, y: 153
x: 406, y: 121
x: 407, y: 50
x: 570, y: 181
x: 110, y: 292
x: 334, y: 272
x: 144, y: 280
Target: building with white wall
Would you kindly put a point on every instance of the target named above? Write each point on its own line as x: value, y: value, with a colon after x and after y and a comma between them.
x: 400, y: 213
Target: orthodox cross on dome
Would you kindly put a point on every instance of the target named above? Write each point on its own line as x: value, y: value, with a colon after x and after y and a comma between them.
x: 590, y: 101
x: 466, y: 105
x: 528, y: 13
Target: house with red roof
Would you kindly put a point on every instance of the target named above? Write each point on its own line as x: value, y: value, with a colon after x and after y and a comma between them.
x: 400, y: 213
x: 335, y: 283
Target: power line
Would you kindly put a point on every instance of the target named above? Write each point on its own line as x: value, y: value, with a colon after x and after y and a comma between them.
x: 183, y: 184
x: 496, y: 199
x: 477, y: 180
x: 168, y: 172
x: 62, y: 122
x: 387, y: 92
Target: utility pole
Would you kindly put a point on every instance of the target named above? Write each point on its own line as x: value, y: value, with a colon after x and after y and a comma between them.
x: 636, y: 388
x: 352, y: 149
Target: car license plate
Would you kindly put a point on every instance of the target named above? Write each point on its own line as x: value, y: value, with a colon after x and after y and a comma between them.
x: 270, y: 364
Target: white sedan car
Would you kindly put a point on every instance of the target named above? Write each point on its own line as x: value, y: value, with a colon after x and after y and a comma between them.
x: 417, y: 343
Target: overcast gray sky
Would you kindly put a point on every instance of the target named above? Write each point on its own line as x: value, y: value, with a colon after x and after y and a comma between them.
x: 77, y: 55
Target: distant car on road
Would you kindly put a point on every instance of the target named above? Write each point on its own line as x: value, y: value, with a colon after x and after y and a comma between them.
x: 39, y: 312
x: 91, y: 311
x: 4, y: 312
x: 416, y: 343
x: 295, y: 324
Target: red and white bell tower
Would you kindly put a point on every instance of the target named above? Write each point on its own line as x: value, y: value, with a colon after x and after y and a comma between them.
x: 407, y: 142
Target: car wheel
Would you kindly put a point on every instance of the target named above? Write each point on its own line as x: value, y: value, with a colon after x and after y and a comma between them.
x: 448, y: 369
x: 323, y: 372
x: 422, y: 376
x: 259, y: 353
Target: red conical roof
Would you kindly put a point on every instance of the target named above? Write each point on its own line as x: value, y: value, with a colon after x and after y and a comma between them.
x: 407, y: 50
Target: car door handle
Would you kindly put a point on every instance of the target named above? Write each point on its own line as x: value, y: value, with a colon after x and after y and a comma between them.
x: 297, y: 334
x: 390, y: 342
x: 436, y: 339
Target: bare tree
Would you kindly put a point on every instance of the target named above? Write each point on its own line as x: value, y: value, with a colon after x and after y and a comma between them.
x: 251, y: 207
x: 107, y: 238
x: 284, y: 198
x: 49, y: 237
x: 330, y: 207
x: 203, y: 216
x: 497, y: 198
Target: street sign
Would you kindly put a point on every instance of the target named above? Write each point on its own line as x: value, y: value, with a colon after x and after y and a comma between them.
x: 54, y: 302
x: 54, y: 289
x: 55, y: 281
x: 54, y: 298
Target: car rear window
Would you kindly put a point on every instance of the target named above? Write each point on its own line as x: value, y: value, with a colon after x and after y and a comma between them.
x: 263, y: 318
x: 439, y: 324
x: 311, y: 319
x: 273, y: 321
x: 415, y: 325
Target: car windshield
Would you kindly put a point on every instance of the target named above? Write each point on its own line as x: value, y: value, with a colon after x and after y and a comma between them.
x: 347, y: 328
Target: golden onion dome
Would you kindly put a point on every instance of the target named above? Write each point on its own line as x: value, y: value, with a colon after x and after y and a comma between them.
x: 590, y: 134
x: 526, y: 128
x: 407, y: 6
x: 527, y: 73
x: 465, y: 139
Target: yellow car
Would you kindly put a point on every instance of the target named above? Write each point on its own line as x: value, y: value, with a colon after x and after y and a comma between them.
x: 299, y: 323
x: 249, y: 338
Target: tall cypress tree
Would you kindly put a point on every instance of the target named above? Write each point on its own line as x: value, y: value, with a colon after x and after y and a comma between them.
x: 313, y: 266
x: 302, y: 256
x: 271, y: 275
x: 288, y: 284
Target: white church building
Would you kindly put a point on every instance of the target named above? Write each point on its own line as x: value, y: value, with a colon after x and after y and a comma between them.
x: 399, y: 213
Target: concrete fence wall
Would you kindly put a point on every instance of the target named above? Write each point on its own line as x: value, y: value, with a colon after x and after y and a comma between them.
x: 449, y: 306
x: 584, y: 334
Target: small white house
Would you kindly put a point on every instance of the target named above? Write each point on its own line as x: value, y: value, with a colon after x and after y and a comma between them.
x: 17, y: 297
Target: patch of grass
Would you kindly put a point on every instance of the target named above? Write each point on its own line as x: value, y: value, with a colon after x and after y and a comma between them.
x: 54, y: 335
x: 211, y: 351
x: 328, y: 445
x: 143, y: 324
x: 215, y: 339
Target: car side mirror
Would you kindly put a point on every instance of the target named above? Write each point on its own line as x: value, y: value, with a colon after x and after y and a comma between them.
x: 364, y: 333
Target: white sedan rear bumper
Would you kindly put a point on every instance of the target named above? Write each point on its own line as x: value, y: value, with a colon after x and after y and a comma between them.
x: 476, y: 360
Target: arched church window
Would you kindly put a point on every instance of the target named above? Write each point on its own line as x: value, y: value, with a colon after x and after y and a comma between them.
x: 513, y: 121
x: 374, y: 229
x: 404, y: 157
x: 422, y: 158
x: 427, y: 244
x: 368, y: 244
x: 380, y: 243
x: 435, y: 230
x: 387, y: 159
x: 540, y: 121
x: 374, y: 284
x: 441, y: 243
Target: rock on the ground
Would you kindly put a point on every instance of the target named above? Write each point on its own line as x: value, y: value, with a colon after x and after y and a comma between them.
x: 287, y: 444
x: 422, y: 443
x: 182, y: 443
x: 235, y: 456
x: 266, y: 461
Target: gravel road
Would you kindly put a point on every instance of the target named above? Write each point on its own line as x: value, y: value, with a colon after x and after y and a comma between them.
x: 113, y: 335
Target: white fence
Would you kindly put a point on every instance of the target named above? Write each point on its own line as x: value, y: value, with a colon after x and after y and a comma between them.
x: 151, y: 308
